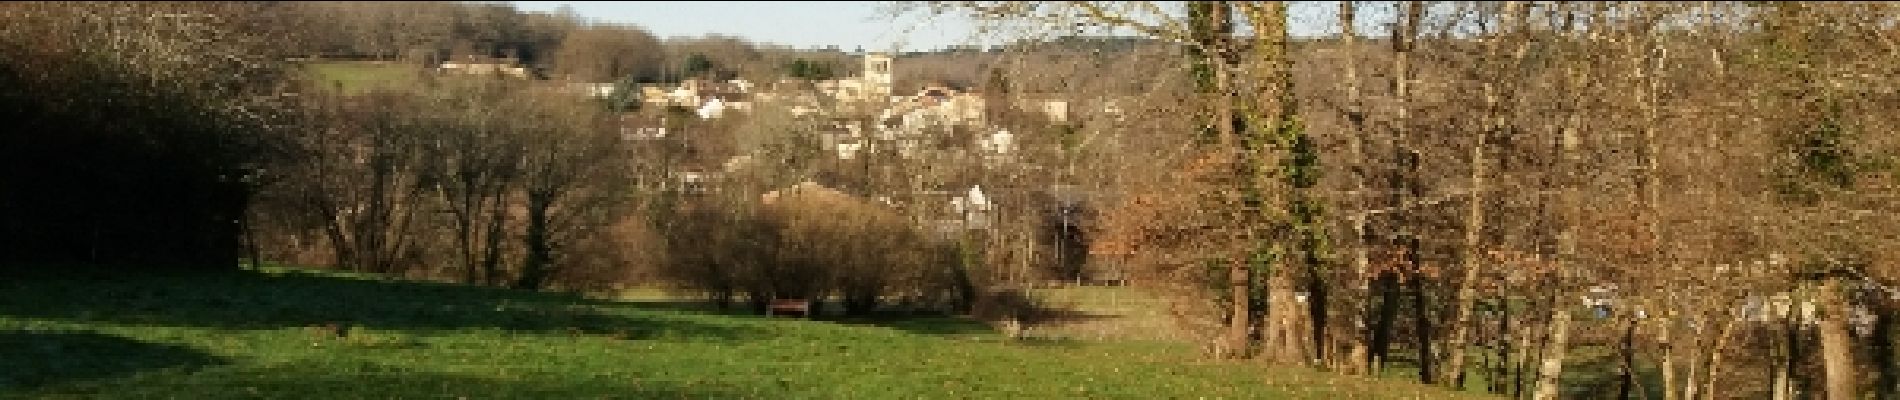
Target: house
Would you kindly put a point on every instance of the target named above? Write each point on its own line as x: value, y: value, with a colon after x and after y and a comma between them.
x: 484, y: 66
x: 941, y: 103
x: 849, y: 150
x: 1053, y: 107
x: 974, y: 208
x: 658, y: 95
x: 997, y: 147
x: 695, y: 182
x: 873, y: 86
x: 713, y: 108
x: 806, y: 189
x: 635, y: 127
x: 740, y: 85
x: 593, y: 90
x: 1000, y: 142
x: 738, y: 162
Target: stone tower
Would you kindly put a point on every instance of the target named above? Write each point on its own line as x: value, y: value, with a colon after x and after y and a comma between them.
x: 878, y: 76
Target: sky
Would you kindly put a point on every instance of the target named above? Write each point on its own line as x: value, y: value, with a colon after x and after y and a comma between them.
x: 808, y: 24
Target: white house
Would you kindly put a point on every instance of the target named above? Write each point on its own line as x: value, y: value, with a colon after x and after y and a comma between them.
x: 974, y: 208
x: 713, y: 108
x: 849, y: 150
x: 999, y: 143
x: 485, y: 68
x: 594, y: 90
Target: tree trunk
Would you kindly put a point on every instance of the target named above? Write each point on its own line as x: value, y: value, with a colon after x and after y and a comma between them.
x: 1487, y: 359
x: 491, y: 261
x: 373, y: 226
x: 1213, y: 60
x: 465, y: 243
x: 1456, y: 345
x: 1551, y: 369
x: 1239, y: 319
x: 1361, y: 243
x: 1627, y: 371
x: 1837, y: 352
x: 1715, y: 359
x: 1664, y: 338
x: 1548, y: 385
x: 1282, y: 342
x: 1474, y: 216
x: 1689, y: 386
x: 1522, y: 361
x: 1406, y: 176
x: 1388, y: 309
x: 1798, y: 351
x: 723, y: 299
x: 535, y: 271
x: 342, y: 248
x: 1887, y: 385
x: 1317, y: 310
x: 251, y: 246
x: 1778, y: 387
x: 1422, y: 322
x: 1786, y: 358
x: 1299, y: 156
x: 1504, y: 340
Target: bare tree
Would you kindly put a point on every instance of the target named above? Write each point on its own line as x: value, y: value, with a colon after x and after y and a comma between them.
x: 178, y: 102
x: 608, y: 53
x: 475, y: 161
x: 365, y: 192
x: 574, y: 180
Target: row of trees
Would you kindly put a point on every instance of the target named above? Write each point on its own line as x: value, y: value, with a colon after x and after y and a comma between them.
x: 1440, y: 192
x: 561, y: 43
x: 483, y: 179
x: 442, y: 180
x: 427, y: 30
x: 137, y: 131
x: 176, y: 136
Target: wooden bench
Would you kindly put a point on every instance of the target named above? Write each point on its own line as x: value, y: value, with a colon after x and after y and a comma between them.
x: 800, y: 306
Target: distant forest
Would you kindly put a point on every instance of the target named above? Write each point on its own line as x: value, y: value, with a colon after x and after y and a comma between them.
x: 561, y: 44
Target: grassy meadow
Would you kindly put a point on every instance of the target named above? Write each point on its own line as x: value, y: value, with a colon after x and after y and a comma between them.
x: 358, y: 76
x: 284, y: 333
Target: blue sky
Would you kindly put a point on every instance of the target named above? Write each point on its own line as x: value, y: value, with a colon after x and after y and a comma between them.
x: 806, y: 24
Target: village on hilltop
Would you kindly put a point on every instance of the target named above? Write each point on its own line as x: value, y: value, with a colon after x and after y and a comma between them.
x: 863, y: 113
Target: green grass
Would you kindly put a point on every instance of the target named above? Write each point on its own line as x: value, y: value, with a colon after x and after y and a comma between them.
x: 357, y: 76
x: 267, y: 335
x: 1590, y: 372
x: 1108, y: 313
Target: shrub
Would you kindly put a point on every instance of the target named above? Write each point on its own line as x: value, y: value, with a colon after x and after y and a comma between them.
x: 808, y: 242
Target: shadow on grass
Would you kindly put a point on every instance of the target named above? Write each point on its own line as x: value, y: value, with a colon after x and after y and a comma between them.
x: 309, y: 380
x: 31, y: 359
x: 923, y: 323
x: 270, y: 300
x: 1034, y: 339
x: 1063, y: 316
x: 695, y: 306
x: 934, y: 325
x: 916, y: 322
x: 951, y: 325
